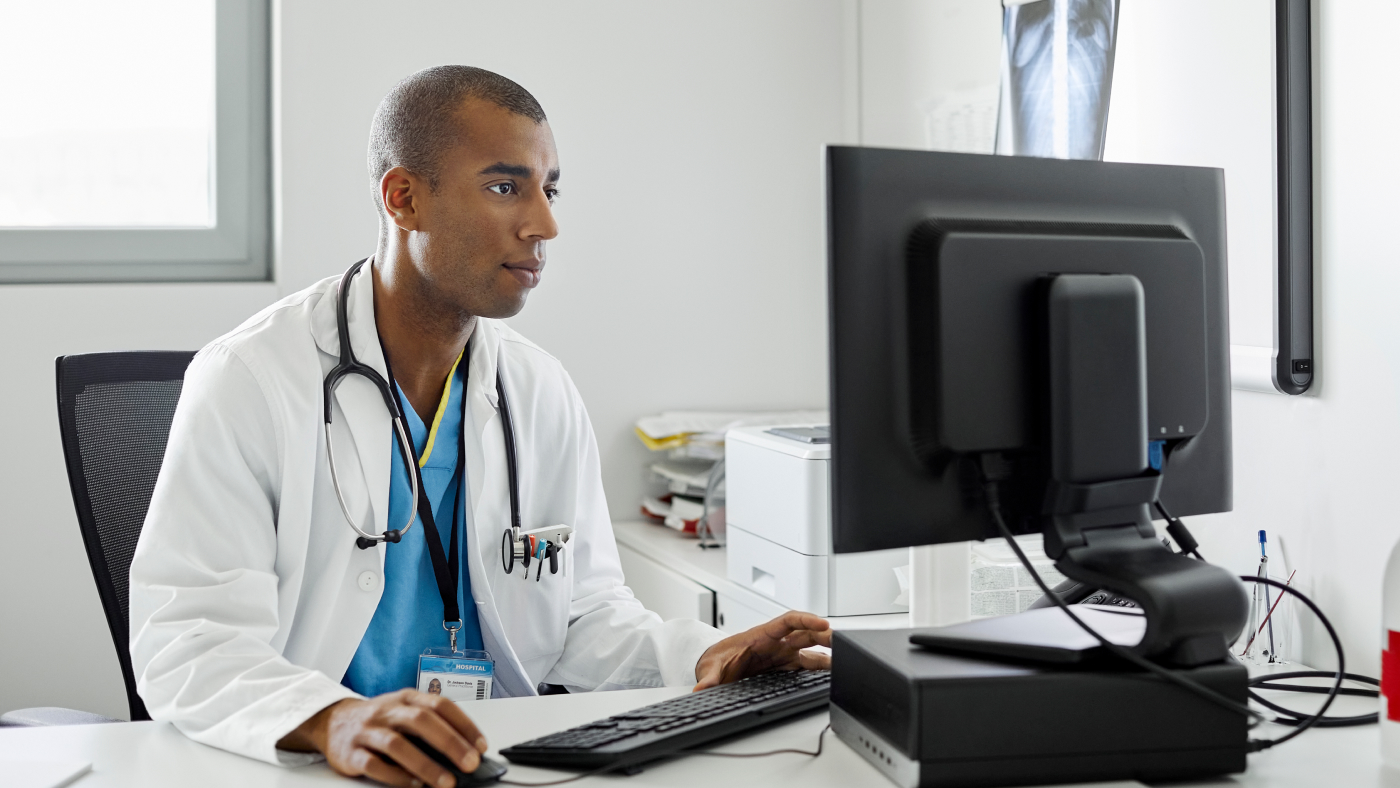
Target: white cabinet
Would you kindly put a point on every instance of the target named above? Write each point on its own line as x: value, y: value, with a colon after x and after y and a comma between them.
x: 732, y: 616
x: 673, y: 576
x: 664, y: 591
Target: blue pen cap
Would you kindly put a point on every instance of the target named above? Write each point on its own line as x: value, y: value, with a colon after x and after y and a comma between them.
x: 1262, y: 537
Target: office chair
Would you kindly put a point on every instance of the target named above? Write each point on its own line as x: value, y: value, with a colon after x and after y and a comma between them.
x: 114, y: 414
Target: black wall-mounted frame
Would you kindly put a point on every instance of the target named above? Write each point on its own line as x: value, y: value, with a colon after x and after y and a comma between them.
x: 1293, y: 197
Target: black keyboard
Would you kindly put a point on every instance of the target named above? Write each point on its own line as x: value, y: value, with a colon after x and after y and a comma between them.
x: 684, y: 723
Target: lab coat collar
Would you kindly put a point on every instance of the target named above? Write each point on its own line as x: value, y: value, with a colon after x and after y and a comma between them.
x: 364, y: 333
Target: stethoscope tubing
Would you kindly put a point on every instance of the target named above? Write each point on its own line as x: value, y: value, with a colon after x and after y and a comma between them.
x: 349, y: 365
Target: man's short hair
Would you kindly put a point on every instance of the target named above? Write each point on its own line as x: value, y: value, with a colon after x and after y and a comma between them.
x: 416, y: 124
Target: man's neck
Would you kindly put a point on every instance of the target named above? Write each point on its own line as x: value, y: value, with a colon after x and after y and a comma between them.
x: 422, y: 336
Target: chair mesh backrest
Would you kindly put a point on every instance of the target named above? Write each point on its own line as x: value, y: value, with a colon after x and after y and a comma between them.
x: 115, y: 411
x: 122, y: 430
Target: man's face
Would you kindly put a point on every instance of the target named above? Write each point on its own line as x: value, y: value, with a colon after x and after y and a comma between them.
x: 479, y: 237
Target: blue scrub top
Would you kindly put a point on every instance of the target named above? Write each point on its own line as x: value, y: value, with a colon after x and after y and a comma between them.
x: 409, y: 617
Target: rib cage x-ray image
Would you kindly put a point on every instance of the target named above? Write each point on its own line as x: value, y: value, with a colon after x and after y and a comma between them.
x: 1056, y: 76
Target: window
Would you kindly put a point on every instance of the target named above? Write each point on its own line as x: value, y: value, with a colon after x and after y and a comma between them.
x: 134, y: 145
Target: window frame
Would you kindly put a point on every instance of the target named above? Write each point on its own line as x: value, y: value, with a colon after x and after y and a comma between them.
x: 238, y: 246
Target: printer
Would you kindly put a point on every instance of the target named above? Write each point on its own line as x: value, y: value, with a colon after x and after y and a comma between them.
x: 778, y: 518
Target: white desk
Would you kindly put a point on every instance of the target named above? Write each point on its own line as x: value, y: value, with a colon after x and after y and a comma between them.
x: 154, y: 755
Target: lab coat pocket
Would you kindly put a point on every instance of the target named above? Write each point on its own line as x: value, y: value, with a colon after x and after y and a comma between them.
x: 534, y: 611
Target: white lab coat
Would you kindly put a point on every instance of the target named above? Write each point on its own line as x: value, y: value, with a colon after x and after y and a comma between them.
x: 248, y: 594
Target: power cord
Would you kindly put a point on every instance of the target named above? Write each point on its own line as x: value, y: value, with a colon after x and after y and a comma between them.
x: 821, y: 743
x: 1176, y: 529
x: 1267, y: 682
x: 1302, y: 723
x: 994, y: 506
x: 993, y: 500
x: 1189, y: 546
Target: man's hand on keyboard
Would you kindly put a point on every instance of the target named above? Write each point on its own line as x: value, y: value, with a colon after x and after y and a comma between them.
x: 777, y: 645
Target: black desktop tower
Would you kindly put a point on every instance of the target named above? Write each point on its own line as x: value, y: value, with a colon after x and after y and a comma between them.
x: 930, y: 719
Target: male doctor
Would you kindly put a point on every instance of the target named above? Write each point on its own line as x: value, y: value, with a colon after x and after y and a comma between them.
x: 258, y: 625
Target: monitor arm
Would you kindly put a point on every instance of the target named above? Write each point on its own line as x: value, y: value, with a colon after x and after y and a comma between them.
x: 1096, y: 515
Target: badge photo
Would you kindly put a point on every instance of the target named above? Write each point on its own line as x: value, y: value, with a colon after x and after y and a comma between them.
x: 461, y: 676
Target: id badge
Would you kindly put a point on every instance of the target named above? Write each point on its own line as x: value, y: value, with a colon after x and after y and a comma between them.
x: 461, y: 676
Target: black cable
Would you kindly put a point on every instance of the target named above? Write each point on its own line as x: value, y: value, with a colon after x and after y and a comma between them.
x: 1257, y: 745
x: 993, y: 499
x: 504, y: 781
x: 1297, y: 717
x: 994, y: 506
x: 1177, y: 530
x: 821, y: 742
x: 1266, y: 682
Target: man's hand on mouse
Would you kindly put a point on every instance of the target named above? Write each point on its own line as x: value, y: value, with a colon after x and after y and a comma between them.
x: 776, y: 645
x: 356, y: 735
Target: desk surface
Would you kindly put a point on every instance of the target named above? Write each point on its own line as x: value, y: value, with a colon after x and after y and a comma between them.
x: 155, y: 755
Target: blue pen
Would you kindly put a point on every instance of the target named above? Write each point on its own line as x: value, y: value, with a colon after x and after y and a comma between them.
x: 1268, y: 604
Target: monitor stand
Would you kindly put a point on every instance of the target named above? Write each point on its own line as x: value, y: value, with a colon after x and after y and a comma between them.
x: 1096, y: 513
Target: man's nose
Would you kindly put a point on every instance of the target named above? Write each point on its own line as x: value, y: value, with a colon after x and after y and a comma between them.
x: 539, y: 222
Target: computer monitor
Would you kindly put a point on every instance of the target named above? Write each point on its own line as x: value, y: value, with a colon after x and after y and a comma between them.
x: 1063, y: 322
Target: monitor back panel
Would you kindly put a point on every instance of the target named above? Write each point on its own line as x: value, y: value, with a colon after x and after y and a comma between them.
x: 936, y: 260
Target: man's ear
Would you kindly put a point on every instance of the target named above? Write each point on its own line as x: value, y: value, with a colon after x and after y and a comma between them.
x: 400, y: 193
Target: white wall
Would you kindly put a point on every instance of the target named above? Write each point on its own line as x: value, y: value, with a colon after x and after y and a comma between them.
x: 917, y: 54
x: 1321, y: 469
x: 689, y: 137
x: 1193, y: 84
x: 690, y: 271
x: 55, y: 648
x: 1315, y: 471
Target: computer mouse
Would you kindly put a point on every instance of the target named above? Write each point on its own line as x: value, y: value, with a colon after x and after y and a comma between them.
x: 489, y: 771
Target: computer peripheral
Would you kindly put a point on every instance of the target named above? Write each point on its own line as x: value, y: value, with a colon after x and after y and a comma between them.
x: 488, y: 772
x: 1064, y: 320
x: 1024, y: 345
x: 678, y: 725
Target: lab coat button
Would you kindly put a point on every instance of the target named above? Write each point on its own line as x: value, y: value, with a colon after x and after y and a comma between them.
x: 368, y: 581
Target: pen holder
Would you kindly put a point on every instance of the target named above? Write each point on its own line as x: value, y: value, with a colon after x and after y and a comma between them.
x: 1271, y: 636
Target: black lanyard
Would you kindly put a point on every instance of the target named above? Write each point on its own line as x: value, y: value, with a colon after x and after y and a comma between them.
x: 446, y: 568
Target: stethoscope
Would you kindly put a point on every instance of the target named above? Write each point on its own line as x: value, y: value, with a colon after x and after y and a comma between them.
x: 517, y: 546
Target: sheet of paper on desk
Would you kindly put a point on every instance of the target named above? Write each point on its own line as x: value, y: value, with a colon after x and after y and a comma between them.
x: 41, y: 774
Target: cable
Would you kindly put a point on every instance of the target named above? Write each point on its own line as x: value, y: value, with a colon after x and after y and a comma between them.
x: 1266, y: 682
x: 994, y: 506
x: 1257, y: 745
x: 821, y: 742
x: 1176, y: 529
x: 504, y: 781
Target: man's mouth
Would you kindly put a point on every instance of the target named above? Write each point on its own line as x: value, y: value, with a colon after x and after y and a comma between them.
x: 527, y: 273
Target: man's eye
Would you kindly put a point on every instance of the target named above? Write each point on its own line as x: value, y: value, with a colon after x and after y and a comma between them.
x: 503, y: 188
x: 552, y: 194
